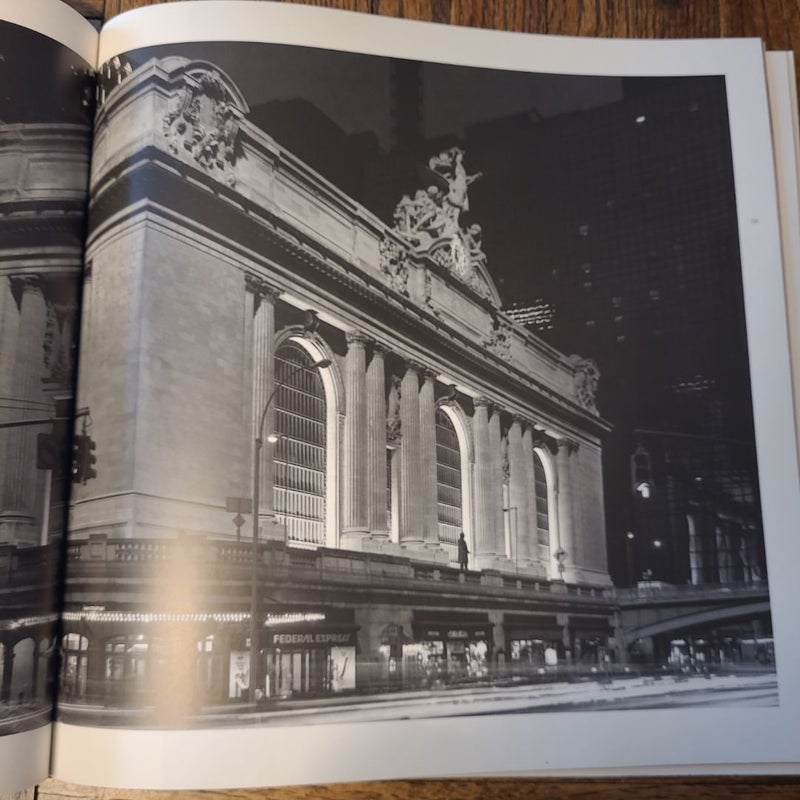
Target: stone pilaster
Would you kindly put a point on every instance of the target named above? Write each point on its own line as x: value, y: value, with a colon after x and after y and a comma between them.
x: 19, y: 476
x: 566, y: 501
x: 427, y: 432
x: 264, y: 298
x: 355, y: 525
x: 484, y: 538
x: 376, y: 444
x: 529, y: 550
x: 496, y: 481
x: 517, y: 493
x: 410, y: 458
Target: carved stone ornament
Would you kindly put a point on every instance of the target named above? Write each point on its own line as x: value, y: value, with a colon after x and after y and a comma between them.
x: 204, y: 122
x: 393, y: 411
x: 430, y: 222
x: 499, y: 341
x: 506, y: 462
x: 587, y: 377
x: 394, y: 264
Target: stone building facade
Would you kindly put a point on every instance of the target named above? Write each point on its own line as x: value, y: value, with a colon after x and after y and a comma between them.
x: 43, y: 182
x: 227, y: 281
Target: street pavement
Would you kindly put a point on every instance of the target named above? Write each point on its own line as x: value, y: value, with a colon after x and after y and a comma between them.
x: 625, y: 693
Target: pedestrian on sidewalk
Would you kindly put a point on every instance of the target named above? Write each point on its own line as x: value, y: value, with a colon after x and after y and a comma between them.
x: 463, y: 552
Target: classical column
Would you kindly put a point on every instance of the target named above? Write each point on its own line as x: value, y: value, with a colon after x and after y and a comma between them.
x: 484, y: 538
x: 376, y: 444
x: 355, y: 523
x: 566, y: 532
x: 263, y: 386
x: 517, y: 492
x: 410, y: 457
x: 19, y: 475
x: 496, y: 481
x: 529, y: 550
x: 427, y: 433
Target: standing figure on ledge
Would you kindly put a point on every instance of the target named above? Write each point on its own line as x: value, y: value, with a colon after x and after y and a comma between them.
x: 463, y: 552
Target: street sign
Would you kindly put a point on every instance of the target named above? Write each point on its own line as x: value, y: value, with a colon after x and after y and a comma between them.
x: 239, y: 505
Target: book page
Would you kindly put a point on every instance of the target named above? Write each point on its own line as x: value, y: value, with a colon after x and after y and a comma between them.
x: 46, y: 69
x: 786, y: 138
x: 440, y: 385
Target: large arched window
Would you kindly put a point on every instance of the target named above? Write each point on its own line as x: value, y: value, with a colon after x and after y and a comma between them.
x: 300, y: 452
x: 448, y: 483
x: 542, y: 543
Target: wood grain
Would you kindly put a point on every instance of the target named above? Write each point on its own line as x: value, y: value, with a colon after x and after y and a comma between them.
x: 778, y: 23
x: 706, y: 788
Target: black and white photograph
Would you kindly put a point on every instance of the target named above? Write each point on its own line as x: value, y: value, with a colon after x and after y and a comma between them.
x: 417, y: 390
x: 45, y: 130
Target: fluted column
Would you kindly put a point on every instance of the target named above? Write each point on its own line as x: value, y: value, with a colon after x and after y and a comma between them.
x: 376, y: 444
x: 529, y: 549
x: 427, y: 432
x: 410, y: 458
x: 355, y: 525
x: 496, y: 481
x: 263, y: 386
x: 484, y: 539
x: 517, y: 492
x: 566, y: 532
x: 19, y: 475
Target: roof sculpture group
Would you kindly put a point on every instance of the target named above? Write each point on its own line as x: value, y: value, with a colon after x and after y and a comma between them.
x: 430, y: 222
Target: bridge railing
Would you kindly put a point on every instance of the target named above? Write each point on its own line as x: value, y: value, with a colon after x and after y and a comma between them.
x: 664, y: 591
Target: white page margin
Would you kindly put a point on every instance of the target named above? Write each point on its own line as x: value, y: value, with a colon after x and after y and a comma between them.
x: 669, y: 740
x: 56, y: 20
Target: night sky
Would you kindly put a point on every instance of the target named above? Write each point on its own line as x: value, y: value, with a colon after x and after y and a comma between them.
x: 40, y: 79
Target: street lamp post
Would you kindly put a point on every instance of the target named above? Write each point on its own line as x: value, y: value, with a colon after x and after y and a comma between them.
x: 561, y: 556
x: 255, y: 626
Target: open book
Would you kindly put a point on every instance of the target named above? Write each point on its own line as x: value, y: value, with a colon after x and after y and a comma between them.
x: 392, y: 400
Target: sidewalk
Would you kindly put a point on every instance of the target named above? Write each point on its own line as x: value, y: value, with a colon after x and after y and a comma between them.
x: 482, y: 699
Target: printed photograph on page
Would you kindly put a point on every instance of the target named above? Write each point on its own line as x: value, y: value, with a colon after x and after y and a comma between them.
x: 417, y: 391
x: 45, y: 126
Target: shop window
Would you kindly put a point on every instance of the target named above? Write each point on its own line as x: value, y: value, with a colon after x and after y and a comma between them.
x: 126, y: 661
x: 448, y: 484
x: 208, y: 666
x: 75, y: 666
x: 300, y: 451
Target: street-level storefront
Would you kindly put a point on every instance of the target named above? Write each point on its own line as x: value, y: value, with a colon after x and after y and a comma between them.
x: 448, y: 649
x: 310, y: 652
x: 533, y: 643
x: 592, y: 639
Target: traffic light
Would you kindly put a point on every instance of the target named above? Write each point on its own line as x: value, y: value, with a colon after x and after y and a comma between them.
x: 83, y: 458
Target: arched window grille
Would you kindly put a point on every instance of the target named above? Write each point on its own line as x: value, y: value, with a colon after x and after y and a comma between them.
x: 448, y: 484
x: 300, y: 452
x: 542, y: 510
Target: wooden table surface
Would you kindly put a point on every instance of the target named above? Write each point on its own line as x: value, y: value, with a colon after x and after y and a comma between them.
x: 775, y: 21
